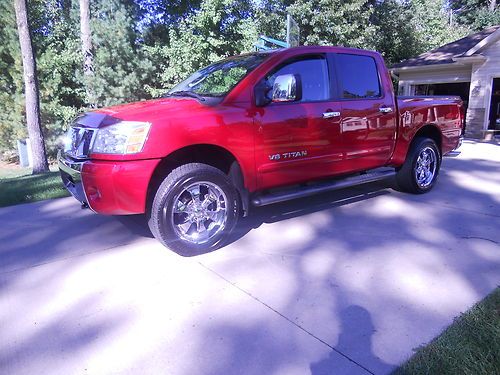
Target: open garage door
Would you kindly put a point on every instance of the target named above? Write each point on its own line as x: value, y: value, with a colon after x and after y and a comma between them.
x: 494, y: 123
x: 460, y: 88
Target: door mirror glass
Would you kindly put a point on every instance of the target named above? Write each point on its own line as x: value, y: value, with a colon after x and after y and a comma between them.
x: 286, y: 88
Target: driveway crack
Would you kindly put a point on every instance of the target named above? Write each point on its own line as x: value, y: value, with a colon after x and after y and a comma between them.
x: 286, y: 318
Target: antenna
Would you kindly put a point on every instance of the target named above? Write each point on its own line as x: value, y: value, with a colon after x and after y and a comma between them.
x: 292, y: 37
x: 292, y: 32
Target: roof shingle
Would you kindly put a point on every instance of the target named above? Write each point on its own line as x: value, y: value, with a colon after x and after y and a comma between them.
x: 445, y: 54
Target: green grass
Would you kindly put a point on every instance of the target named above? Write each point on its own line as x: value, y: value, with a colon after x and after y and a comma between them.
x: 471, y: 345
x: 13, y: 172
x: 19, y: 186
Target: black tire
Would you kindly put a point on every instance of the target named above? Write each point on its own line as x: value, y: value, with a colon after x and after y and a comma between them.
x: 406, y: 177
x: 173, y: 191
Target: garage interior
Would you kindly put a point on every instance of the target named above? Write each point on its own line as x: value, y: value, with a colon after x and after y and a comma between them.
x: 494, y: 119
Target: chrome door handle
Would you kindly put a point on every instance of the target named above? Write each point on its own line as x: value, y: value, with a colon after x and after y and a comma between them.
x: 385, y: 109
x: 331, y: 114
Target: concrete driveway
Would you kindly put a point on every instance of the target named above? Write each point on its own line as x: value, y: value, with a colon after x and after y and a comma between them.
x: 343, y: 283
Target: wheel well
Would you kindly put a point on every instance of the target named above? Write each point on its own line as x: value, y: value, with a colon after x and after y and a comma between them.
x: 432, y: 132
x: 215, y: 156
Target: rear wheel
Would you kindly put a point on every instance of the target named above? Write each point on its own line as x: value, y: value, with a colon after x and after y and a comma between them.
x: 194, y: 210
x: 421, y: 168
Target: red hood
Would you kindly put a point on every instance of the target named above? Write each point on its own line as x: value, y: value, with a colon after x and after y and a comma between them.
x: 144, y: 110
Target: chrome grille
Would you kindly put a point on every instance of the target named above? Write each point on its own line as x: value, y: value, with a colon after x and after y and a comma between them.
x: 79, y: 142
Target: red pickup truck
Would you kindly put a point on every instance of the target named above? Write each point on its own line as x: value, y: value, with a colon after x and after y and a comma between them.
x: 255, y: 129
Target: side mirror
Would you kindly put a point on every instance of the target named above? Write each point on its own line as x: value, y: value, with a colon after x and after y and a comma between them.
x: 287, y: 88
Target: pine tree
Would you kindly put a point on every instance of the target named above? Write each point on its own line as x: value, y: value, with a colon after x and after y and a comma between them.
x: 121, y: 68
x: 62, y: 92
x: 12, y: 122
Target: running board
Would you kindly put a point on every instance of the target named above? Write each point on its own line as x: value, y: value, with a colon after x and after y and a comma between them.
x: 452, y: 154
x: 305, y: 191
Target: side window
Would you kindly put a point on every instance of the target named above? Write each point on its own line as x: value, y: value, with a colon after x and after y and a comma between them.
x: 313, y: 72
x: 359, y: 76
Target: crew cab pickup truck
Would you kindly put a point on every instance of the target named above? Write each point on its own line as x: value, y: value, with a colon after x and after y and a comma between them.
x: 254, y: 130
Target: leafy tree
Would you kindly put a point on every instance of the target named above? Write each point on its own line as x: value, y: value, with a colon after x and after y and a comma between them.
x: 345, y: 23
x: 158, y: 17
x: 217, y: 30
x: 477, y: 14
x: 395, y: 37
x: 431, y: 24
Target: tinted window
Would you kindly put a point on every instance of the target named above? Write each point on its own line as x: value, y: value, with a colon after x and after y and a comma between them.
x: 359, y: 76
x: 314, y: 75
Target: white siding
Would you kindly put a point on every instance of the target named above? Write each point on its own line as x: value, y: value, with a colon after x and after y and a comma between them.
x: 453, y: 73
x: 479, y: 74
x: 449, y: 73
x: 482, y: 78
x: 480, y: 89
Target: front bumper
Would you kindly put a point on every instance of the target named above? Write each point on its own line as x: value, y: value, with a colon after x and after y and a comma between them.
x: 109, y: 187
x: 71, y: 175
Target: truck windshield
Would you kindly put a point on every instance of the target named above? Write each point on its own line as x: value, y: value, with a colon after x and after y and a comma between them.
x: 219, y: 78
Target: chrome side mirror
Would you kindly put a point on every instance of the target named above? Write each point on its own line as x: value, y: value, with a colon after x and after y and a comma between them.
x: 286, y: 88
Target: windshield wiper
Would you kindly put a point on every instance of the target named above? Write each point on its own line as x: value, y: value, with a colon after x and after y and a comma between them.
x: 191, y: 94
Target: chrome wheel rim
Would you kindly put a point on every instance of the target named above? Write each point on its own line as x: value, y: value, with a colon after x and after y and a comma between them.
x: 199, y: 212
x: 425, y: 167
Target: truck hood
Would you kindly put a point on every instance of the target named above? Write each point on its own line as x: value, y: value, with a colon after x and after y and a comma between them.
x: 139, y: 111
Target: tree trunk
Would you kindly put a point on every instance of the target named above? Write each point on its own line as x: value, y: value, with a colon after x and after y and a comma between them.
x: 88, y: 57
x: 32, y: 95
x: 493, y: 4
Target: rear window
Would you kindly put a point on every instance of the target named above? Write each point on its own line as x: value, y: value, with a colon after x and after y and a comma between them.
x: 359, y: 76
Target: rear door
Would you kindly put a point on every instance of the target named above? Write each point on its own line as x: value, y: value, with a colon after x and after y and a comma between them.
x: 299, y: 141
x: 368, y: 123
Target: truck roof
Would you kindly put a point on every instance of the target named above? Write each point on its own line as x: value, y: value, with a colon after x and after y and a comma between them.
x: 338, y: 49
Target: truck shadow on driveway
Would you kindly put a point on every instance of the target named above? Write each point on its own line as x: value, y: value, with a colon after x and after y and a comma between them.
x: 137, y: 224
x: 305, y: 206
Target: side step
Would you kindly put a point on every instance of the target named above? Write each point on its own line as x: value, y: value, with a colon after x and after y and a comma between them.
x: 321, y: 187
x: 452, y: 154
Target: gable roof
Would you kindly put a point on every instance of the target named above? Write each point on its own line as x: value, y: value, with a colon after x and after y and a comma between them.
x: 465, y: 47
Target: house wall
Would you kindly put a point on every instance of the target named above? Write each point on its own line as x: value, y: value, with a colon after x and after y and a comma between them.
x: 479, y: 74
x: 480, y: 91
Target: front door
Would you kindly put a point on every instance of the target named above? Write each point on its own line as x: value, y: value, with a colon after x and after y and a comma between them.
x: 299, y: 141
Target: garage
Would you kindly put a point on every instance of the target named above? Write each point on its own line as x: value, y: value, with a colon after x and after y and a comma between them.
x: 468, y: 67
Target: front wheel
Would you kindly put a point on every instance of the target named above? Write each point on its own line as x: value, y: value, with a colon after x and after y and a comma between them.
x: 194, y: 210
x: 421, y: 167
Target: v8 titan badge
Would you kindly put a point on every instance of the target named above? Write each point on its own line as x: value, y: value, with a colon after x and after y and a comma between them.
x: 288, y: 155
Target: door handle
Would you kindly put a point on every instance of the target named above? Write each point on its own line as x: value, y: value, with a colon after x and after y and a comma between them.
x: 330, y: 114
x: 385, y: 109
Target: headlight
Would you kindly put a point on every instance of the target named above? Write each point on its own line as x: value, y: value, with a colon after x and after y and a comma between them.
x: 125, y: 137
